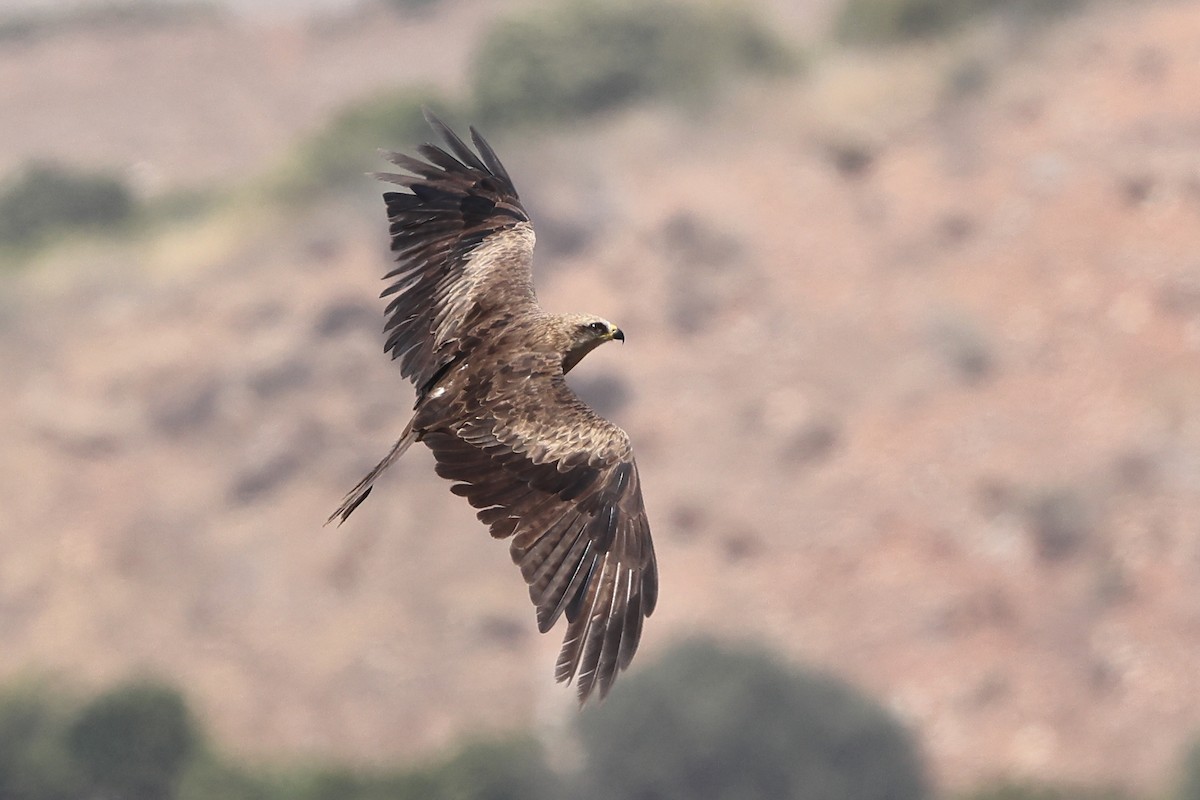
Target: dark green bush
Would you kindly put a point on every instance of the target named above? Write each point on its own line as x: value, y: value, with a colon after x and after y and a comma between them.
x: 339, y: 153
x: 134, y: 742
x: 139, y: 742
x: 707, y: 722
x: 34, y: 764
x: 499, y: 769
x: 883, y: 21
x: 48, y: 197
x: 1189, y: 777
x: 510, y: 769
x: 408, y: 7
x: 210, y: 777
x: 889, y: 20
x: 40, y: 22
x: 581, y: 58
x: 1014, y: 790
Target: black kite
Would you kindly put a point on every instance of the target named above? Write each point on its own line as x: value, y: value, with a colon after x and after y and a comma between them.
x: 492, y: 404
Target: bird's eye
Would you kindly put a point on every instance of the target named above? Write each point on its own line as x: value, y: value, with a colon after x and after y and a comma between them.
x: 598, y: 327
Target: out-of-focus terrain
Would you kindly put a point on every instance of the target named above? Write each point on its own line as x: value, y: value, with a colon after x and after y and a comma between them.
x: 913, y: 374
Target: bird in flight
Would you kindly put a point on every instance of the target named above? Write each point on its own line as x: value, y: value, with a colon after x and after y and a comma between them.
x: 543, y: 469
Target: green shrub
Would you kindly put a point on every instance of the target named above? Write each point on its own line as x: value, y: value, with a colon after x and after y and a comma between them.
x: 707, y: 722
x: 134, y: 742
x: 210, y: 777
x: 49, y: 197
x: 1015, y: 790
x: 411, y: 7
x: 1189, y: 778
x: 340, y: 152
x: 499, y: 769
x: 40, y: 22
x: 509, y: 769
x: 883, y: 21
x: 139, y: 742
x: 581, y: 58
x: 34, y: 764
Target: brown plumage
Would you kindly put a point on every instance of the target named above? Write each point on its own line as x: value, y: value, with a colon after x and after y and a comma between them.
x: 543, y: 469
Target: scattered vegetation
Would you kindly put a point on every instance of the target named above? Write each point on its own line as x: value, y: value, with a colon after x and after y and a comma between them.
x: 583, y: 58
x: 48, y: 198
x: 37, y: 23
x: 133, y: 742
x: 1188, y: 787
x: 139, y: 742
x: 1010, y: 790
x: 34, y: 762
x: 710, y: 722
x: 411, y: 7
x: 338, y: 154
x: 890, y: 21
x: 705, y: 721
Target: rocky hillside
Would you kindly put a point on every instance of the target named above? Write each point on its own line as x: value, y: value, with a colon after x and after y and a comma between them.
x: 913, y: 372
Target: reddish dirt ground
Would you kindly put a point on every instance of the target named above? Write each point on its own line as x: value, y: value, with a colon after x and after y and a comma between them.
x: 913, y: 373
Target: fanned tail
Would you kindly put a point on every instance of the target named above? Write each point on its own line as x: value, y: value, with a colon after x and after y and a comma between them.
x: 354, y: 498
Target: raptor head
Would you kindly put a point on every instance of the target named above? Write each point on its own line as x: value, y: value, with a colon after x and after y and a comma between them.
x: 583, y: 333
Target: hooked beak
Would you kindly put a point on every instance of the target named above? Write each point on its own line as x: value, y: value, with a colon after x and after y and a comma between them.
x: 618, y: 334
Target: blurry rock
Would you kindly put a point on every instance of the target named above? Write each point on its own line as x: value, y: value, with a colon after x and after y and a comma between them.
x: 1181, y: 296
x: 183, y: 406
x: 559, y: 235
x: 811, y: 443
x: 1136, y: 470
x: 502, y: 630
x: 955, y: 228
x: 1151, y: 65
x: 322, y: 249
x: 273, y: 456
x: 274, y: 379
x: 1136, y: 189
x: 1060, y: 524
x: 687, y: 520
x: 964, y: 348
x: 607, y: 394
x: 342, y: 316
x: 695, y: 242
x: 995, y: 496
x: 851, y: 158
x: 742, y: 546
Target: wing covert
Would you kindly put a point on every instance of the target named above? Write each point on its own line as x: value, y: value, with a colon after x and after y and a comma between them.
x: 464, y: 247
x: 563, y: 486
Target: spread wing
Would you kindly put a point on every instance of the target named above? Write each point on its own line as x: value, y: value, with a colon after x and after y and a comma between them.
x: 465, y: 250
x: 561, y: 481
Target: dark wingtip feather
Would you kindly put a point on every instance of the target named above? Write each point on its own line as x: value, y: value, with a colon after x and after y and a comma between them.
x: 457, y: 145
x: 433, y: 119
x: 489, y: 155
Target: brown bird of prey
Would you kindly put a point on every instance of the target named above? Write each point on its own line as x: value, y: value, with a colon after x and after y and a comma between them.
x: 544, y: 470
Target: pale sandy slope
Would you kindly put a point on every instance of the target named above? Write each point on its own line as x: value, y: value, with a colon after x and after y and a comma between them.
x: 933, y: 423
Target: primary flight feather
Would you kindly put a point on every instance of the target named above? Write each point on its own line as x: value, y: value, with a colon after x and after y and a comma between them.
x: 544, y: 470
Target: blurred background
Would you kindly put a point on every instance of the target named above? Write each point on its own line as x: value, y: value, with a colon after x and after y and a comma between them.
x: 912, y: 296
